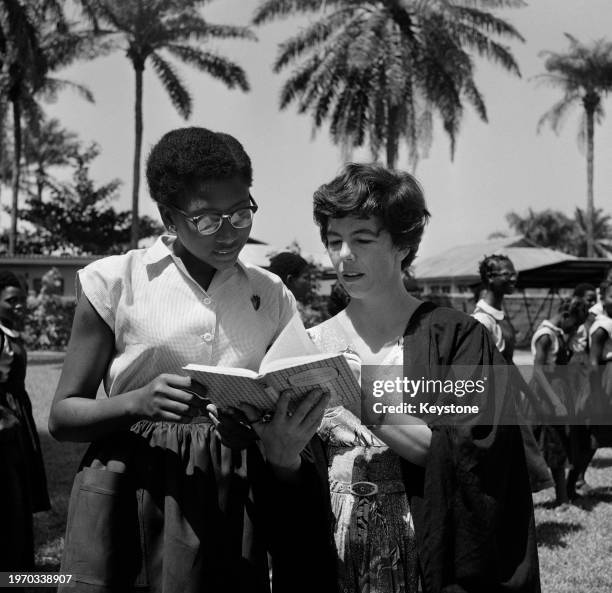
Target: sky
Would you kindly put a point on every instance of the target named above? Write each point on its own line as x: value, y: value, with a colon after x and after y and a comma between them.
x: 499, y: 166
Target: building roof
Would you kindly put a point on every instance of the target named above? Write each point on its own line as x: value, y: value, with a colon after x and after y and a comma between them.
x: 538, y: 267
x: 461, y: 262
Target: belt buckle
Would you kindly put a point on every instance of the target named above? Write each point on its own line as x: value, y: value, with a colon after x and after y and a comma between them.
x: 363, y: 488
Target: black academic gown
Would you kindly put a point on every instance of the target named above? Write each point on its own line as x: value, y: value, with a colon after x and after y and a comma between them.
x: 471, y: 504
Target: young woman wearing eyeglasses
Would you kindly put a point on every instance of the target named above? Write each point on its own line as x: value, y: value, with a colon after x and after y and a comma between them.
x: 160, y: 501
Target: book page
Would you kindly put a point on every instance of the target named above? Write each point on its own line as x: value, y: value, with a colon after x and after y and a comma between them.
x: 235, y: 371
x: 331, y: 373
x: 231, y: 390
x: 293, y: 361
x: 293, y: 341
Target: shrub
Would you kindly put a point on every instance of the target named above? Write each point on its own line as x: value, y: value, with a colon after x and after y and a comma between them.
x: 49, y: 316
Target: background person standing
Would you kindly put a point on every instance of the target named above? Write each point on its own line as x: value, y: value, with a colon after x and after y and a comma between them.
x: 24, y: 485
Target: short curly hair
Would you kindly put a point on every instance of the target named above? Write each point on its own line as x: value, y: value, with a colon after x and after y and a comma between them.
x: 488, y: 264
x: 365, y: 190
x: 8, y: 279
x: 287, y: 264
x: 185, y: 157
x: 582, y: 288
x: 575, y: 308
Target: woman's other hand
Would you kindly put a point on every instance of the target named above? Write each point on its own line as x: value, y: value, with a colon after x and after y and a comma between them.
x: 285, y: 434
x: 169, y: 398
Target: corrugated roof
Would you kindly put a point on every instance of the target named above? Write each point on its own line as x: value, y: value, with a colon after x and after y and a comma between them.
x: 462, y: 261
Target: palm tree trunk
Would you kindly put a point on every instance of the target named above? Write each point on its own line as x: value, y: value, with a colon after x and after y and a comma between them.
x: 393, y: 136
x: 15, y: 175
x: 2, y: 146
x: 40, y: 181
x: 138, y: 69
x: 589, y: 105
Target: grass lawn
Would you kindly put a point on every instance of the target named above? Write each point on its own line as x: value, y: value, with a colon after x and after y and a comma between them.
x: 575, y: 546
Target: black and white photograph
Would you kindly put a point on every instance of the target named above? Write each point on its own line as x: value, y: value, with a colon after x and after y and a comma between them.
x: 306, y: 296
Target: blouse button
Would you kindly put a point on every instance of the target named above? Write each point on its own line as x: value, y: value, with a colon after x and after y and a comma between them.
x: 207, y: 301
x: 207, y: 337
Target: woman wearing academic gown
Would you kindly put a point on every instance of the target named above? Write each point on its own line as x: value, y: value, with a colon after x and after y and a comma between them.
x: 433, y: 506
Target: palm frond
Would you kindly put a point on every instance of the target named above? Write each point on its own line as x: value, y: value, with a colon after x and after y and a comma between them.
x: 190, y: 26
x: 229, y: 32
x: 486, y: 47
x: 494, y: 4
x: 476, y: 99
x: 556, y: 115
x: 480, y: 19
x: 53, y: 86
x: 180, y: 97
x: 270, y: 10
x: 307, y: 40
x: 228, y: 72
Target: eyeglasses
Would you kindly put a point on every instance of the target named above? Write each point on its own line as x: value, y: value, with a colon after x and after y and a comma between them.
x: 209, y: 223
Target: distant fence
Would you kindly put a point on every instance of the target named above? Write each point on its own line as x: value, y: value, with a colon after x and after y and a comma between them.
x: 524, y: 312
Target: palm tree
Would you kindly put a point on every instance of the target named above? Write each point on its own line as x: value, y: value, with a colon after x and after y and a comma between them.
x: 584, y: 74
x: 602, y: 233
x: 547, y: 228
x: 34, y: 40
x: 145, y: 29
x: 556, y: 230
x: 381, y: 69
x: 23, y: 69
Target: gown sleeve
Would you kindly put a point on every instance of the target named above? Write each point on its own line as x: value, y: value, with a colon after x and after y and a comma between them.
x: 471, y: 503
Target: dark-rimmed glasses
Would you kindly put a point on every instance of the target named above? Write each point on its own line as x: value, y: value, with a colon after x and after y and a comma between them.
x: 209, y: 223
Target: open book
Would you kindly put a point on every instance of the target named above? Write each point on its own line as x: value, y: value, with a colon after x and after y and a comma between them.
x: 292, y: 362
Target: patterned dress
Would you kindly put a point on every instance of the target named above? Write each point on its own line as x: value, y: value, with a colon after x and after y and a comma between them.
x: 373, y: 530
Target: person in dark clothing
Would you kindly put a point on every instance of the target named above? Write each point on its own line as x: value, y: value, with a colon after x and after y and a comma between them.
x: 498, y: 277
x: 24, y: 485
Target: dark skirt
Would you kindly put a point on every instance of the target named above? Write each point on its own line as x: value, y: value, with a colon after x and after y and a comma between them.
x: 166, y: 507
x: 24, y: 485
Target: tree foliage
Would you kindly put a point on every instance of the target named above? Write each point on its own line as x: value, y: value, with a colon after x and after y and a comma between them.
x: 379, y: 70
x: 554, y: 229
x: 78, y: 217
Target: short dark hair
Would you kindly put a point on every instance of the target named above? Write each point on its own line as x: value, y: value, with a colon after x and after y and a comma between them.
x: 186, y: 157
x: 365, y: 190
x: 574, y: 307
x: 287, y: 264
x: 338, y: 299
x: 488, y: 264
x: 8, y: 279
x: 582, y: 289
